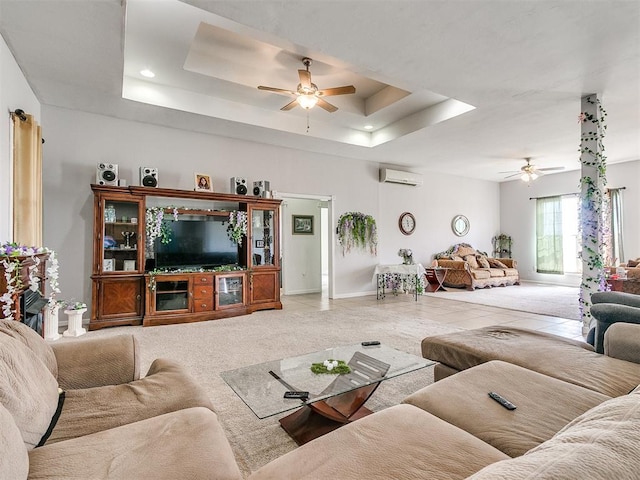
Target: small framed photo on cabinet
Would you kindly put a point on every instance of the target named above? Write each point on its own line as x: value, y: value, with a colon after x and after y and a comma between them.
x: 259, y: 243
x: 108, y: 264
x: 129, y: 265
x: 203, y: 183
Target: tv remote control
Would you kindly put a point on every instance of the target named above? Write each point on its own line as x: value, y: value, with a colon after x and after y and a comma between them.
x: 502, y: 401
x: 370, y: 343
x: 296, y: 394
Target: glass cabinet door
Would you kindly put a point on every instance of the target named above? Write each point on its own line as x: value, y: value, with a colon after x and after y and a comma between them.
x: 120, y: 236
x: 230, y: 290
x: 262, y: 244
x: 171, y: 293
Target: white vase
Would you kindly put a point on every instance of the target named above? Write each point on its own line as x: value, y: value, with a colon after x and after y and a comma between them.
x: 74, y: 328
x: 51, y: 323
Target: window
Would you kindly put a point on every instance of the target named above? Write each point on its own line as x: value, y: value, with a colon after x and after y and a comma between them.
x: 557, y: 242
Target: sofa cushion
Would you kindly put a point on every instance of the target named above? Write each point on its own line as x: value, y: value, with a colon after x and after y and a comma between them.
x: 400, y: 442
x: 480, y: 274
x: 483, y: 261
x: 31, y: 339
x: 633, y: 264
x: 569, y: 360
x: 27, y: 390
x: 14, y: 460
x: 511, y: 272
x: 462, y: 400
x: 601, y: 444
x: 472, y: 261
x: 166, y: 388
x: 496, y: 272
x: 187, y: 444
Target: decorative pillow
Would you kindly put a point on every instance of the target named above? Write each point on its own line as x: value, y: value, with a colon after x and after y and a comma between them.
x: 632, y: 264
x: 457, y: 258
x: 471, y: 260
x: 28, y: 390
x: 464, y: 251
x: 494, y: 263
x: 31, y: 339
x: 483, y: 261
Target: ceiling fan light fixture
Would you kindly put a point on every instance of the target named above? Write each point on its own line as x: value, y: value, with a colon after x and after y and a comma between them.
x: 307, y: 101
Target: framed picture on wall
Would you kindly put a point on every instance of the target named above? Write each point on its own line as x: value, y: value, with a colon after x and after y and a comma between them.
x: 302, y: 224
x: 203, y: 183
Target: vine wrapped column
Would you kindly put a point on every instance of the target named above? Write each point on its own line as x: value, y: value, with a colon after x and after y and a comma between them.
x: 592, y: 183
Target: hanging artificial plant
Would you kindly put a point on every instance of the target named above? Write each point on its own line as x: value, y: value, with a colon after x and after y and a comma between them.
x: 237, y: 228
x: 591, y: 222
x: 357, y: 230
x: 156, y: 226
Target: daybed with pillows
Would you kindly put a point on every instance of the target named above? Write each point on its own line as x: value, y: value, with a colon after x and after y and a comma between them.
x: 469, y: 268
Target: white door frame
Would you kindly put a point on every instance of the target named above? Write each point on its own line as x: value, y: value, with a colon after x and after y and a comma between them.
x: 330, y: 199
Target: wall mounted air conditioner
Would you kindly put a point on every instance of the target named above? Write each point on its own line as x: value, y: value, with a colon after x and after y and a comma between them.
x: 388, y: 175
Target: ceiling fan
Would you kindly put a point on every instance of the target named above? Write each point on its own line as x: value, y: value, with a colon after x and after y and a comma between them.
x: 307, y: 94
x: 529, y: 172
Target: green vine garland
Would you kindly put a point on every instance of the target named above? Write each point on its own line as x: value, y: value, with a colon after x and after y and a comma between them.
x: 357, y: 230
x: 335, y: 367
x: 591, y: 207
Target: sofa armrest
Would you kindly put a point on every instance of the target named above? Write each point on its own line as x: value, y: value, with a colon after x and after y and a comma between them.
x: 619, y: 298
x: 97, y: 362
x: 622, y: 341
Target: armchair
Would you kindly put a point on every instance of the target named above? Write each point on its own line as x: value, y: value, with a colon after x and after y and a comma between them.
x: 611, y: 307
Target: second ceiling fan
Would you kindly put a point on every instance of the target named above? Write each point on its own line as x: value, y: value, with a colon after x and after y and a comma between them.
x: 307, y: 94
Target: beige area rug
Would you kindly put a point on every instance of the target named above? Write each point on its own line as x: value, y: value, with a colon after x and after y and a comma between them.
x: 551, y: 300
x: 209, y: 348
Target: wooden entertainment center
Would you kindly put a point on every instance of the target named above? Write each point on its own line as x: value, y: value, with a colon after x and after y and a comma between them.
x: 128, y: 289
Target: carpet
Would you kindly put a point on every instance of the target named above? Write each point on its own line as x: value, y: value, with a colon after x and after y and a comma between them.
x: 209, y: 348
x: 551, y: 300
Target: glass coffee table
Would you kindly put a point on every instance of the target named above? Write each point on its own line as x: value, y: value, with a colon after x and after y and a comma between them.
x: 333, y: 399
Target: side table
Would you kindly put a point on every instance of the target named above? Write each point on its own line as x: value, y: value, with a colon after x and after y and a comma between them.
x: 435, y: 277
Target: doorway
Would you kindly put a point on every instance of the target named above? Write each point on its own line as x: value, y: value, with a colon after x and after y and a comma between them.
x: 306, y: 257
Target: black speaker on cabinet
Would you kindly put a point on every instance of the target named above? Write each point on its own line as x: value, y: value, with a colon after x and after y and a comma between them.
x: 239, y: 185
x: 260, y: 187
x: 107, y: 174
x: 148, y: 177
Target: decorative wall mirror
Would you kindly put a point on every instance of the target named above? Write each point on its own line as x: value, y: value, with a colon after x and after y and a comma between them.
x: 460, y: 225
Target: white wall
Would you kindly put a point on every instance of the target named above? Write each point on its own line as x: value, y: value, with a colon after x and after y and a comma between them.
x: 14, y: 93
x: 517, y: 216
x: 77, y: 141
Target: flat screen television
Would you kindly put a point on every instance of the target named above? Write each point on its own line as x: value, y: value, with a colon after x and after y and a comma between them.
x: 196, y: 243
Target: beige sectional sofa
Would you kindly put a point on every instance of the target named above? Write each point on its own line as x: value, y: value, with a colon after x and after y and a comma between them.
x: 453, y: 430
x: 469, y: 268
x: 78, y: 410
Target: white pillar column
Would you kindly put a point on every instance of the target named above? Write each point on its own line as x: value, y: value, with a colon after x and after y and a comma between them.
x: 74, y: 328
x: 51, y: 322
x: 592, y: 181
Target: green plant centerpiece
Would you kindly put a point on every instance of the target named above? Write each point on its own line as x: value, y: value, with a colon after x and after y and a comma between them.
x: 335, y: 367
x: 357, y: 230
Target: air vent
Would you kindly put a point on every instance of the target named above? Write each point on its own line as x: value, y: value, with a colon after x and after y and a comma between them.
x: 388, y: 175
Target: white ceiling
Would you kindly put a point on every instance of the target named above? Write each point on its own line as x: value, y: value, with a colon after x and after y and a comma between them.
x: 523, y: 65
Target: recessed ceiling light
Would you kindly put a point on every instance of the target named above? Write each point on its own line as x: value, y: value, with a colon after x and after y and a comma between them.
x: 147, y: 73
x: 368, y: 127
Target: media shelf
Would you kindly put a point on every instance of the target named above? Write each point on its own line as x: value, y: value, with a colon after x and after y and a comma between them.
x: 128, y: 290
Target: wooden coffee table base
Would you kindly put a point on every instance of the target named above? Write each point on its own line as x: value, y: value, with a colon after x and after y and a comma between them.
x: 318, y: 418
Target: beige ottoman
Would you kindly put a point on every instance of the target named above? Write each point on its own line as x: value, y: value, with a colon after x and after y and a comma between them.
x: 544, y: 404
x: 568, y: 360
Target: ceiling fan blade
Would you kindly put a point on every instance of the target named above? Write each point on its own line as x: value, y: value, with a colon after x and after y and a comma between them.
x: 549, y: 169
x: 276, y: 90
x: 513, y: 175
x: 511, y: 171
x: 326, y: 105
x: 290, y: 105
x: 305, y: 78
x: 346, y: 90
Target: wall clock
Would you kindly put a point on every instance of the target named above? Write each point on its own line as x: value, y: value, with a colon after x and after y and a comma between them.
x: 407, y: 223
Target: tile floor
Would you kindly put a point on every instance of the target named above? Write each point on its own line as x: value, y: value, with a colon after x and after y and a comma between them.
x: 459, y: 314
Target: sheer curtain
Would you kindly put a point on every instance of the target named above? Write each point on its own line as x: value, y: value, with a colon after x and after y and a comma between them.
x: 27, y: 181
x: 614, y: 247
x: 549, y: 235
